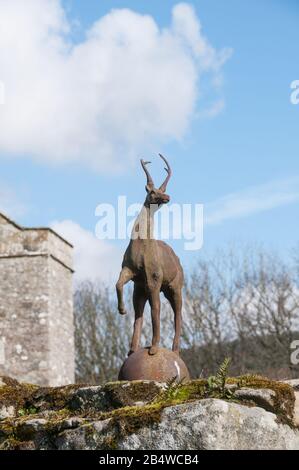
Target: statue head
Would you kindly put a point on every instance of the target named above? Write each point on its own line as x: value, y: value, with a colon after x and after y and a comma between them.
x: 156, y: 196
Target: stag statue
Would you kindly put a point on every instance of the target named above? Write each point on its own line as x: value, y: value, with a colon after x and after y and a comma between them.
x: 153, y: 267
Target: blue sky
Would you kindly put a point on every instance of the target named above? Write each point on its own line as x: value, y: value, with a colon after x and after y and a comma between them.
x: 247, y: 151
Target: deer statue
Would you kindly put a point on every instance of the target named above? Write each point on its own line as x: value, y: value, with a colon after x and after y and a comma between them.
x: 153, y: 267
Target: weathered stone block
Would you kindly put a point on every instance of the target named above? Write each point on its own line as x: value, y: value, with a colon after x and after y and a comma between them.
x: 148, y: 416
x: 36, y: 312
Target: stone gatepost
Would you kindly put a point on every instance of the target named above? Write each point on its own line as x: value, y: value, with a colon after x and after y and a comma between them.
x: 36, y: 306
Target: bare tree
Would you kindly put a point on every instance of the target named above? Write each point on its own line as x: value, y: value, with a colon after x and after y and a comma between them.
x: 241, y: 304
x: 100, y: 339
x: 245, y: 306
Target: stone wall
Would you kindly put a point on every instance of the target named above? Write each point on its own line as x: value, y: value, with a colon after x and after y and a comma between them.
x: 61, y: 327
x: 250, y: 413
x: 36, y: 312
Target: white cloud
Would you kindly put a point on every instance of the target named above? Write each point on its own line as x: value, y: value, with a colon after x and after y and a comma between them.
x: 93, y: 259
x: 252, y: 200
x: 215, y: 109
x: 128, y: 85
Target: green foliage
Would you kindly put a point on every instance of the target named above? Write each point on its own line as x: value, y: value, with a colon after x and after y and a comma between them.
x: 175, y: 390
x: 27, y: 411
x: 217, y: 383
x: 249, y: 379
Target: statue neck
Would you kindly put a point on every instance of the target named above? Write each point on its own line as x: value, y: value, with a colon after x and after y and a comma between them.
x: 144, y: 225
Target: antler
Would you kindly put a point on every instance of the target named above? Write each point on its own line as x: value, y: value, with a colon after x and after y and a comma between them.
x: 149, y: 181
x: 168, y: 169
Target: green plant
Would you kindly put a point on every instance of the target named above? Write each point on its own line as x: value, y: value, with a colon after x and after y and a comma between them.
x: 174, y: 390
x: 217, y: 383
x: 27, y: 411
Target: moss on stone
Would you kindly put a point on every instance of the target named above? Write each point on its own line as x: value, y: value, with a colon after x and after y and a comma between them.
x: 6, y: 431
x: 128, y: 420
x: 15, y: 444
x: 284, y: 399
x: 120, y: 394
x: 110, y: 443
x: 4, y: 380
x: 125, y: 417
x: 28, y: 399
x: 54, y: 398
x: 192, y: 390
x: 16, y: 395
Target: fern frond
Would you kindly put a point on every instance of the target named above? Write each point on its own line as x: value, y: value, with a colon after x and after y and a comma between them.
x: 222, y: 373
x: 217, y: 382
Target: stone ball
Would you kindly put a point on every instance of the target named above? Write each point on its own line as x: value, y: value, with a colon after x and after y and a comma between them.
x: 160, y: 367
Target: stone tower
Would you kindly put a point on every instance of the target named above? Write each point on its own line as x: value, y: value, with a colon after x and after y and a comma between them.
x: 36, y: 308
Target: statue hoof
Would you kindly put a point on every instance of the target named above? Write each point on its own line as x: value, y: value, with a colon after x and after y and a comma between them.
x: 122, y: 311
x: 153, y: 350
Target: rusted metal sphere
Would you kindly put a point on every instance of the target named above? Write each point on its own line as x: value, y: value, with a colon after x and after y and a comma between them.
x: 162, y: 366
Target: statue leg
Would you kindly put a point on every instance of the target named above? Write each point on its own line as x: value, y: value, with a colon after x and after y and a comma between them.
x: 139, y: 301
x: 125, y: 276
x: 154, y: 299
x: 175, y: 300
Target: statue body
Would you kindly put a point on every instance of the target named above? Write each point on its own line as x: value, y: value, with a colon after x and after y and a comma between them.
x: 153, y: 267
